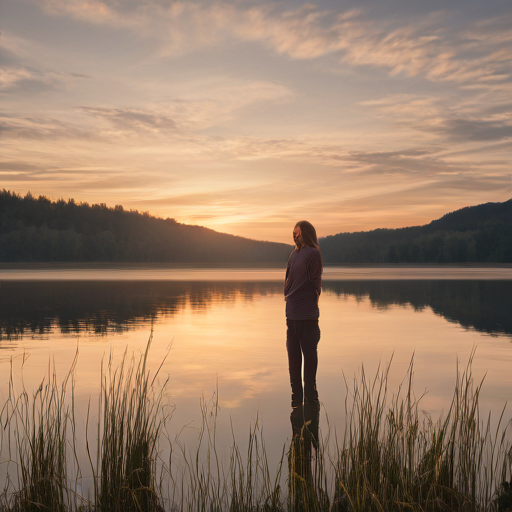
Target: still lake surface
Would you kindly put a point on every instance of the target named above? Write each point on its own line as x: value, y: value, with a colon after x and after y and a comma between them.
x: 226, y: 333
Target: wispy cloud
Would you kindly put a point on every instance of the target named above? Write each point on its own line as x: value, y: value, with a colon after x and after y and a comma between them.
x: 18, y: 77
x: 426, y: 46
x: 23, y: 80
x: 461, y: 129
x: 473, y: 119
x: 17, y: 166
x: 199, y: 106
x: 14, y: 126
x: 11, y: 76
x: 94, y: 11
x: 133, y: 119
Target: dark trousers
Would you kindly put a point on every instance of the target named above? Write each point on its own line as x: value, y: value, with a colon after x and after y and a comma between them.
x: 302, y: 337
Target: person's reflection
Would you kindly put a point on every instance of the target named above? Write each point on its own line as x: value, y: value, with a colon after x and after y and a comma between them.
x: 305, y: 422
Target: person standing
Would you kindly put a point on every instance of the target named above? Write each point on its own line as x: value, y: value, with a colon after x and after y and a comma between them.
x: 302, y: 288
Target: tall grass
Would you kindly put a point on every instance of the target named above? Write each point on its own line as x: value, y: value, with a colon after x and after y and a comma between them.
x: 36, y: 442
x: 389, y: 455
x: 397, y: 458
x: 36, y: 431
x: 131, y: 422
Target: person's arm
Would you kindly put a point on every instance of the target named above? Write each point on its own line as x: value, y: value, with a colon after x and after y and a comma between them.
x: 286, y: 275
x: 315, y: 272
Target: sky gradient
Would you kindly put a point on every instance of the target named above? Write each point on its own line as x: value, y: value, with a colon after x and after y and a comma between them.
x: 248, y: 116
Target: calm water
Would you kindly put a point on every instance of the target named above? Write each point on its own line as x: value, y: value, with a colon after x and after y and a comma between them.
x: 226, y: 331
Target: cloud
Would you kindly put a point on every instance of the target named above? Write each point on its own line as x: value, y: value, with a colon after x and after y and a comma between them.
x: 409, y: 111
x: 476, y: 130
x: 93, y: 11
x: 429, y: 52
x: 477, y: 151
x: 136, y: 120
x: 486, y: 117
x: 215, y: 100
x: 25, y: 80
x: 14, y: 48
x: 493, y: 30
x: 18, y: 166
x: 18, y: 78
x: 197, y: 106
x: 409, y: 164
x: 14, y: 126
x: 23, y: 70
x: 10, y: 76
x: 185, y: 26
x: 200, y: 105
x: 434, y: 49
x: 428, y: 45
x: 24, y: 172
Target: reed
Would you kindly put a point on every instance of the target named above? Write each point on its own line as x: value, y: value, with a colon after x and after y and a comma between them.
x: 391, y: 456
x: 128, y: 429
x: 397, y: 458
x: 36, y: 429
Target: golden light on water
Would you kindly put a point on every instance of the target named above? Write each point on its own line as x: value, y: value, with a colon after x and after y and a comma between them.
x: 232, y: 342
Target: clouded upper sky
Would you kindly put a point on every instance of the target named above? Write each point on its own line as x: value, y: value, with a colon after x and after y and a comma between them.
x: 247, y: 116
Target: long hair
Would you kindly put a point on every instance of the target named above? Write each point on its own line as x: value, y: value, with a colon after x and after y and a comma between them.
x: 308, y: 233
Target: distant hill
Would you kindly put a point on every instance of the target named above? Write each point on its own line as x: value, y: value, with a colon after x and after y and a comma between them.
x: 480, y: 234
x: 40, y: 230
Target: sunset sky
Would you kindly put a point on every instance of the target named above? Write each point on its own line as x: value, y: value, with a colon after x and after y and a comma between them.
x: 247, y: 116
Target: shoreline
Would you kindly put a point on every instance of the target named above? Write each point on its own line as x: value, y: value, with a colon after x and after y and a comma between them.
x: 266, y: 272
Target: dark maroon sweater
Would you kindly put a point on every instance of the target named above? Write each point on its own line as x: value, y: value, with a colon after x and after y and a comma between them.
x: 303, y: 283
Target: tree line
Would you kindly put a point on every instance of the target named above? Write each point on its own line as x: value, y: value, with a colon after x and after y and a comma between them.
x: 41, y: 230
x: 476, y: 234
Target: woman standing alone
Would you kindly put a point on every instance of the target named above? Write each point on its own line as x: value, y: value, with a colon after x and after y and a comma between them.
x: 302, y: 288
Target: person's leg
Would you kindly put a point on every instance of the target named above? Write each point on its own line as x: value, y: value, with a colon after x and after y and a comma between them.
x: 294, y: 362
x: 309, y: 344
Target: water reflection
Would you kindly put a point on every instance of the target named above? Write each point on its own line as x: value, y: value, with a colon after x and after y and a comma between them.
x: 103, y: 307
x: 481, y: 305
x: 305, y: 422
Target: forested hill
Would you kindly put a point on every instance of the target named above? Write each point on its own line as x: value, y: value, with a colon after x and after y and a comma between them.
x: 40, y: 230
x: 480, y: 234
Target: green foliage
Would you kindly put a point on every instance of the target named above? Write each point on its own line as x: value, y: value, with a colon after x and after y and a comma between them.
x: 43, y: 475
x: 395, y: 458
x: 131, y: 427
x: 478, y: 234
x: 38, y: 433
x: 41, y: 230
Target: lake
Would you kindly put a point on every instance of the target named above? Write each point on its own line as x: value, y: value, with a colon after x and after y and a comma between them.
x: 223, y: 332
